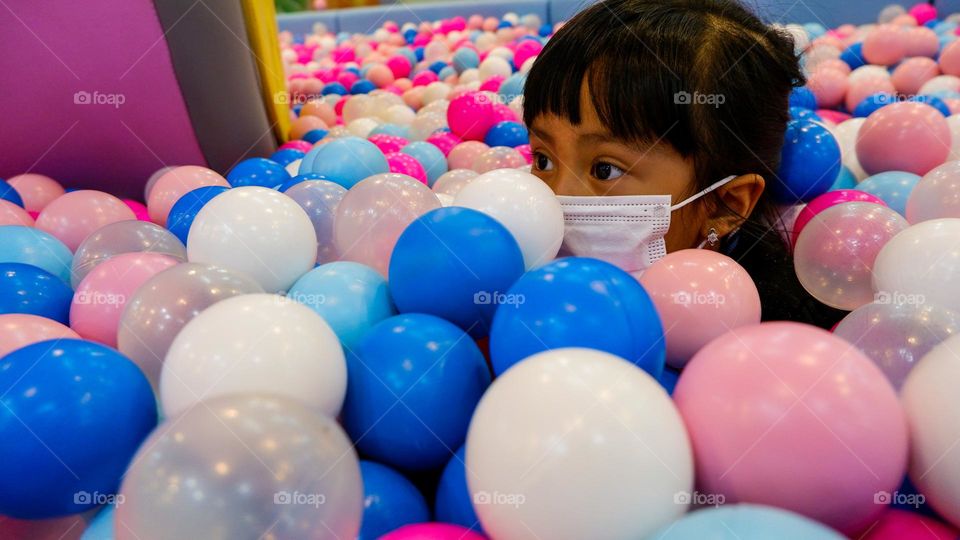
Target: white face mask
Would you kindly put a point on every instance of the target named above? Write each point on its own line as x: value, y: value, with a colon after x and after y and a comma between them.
x: 627, y: 231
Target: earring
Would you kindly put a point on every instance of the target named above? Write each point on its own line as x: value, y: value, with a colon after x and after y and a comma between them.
x: 713, y: 239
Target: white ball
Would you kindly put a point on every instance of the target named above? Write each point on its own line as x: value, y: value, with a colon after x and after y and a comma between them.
x: 922, y: 264
x: 940, y: 83
x: 469, y: 75
x: 258, y: 231
x: 571, y: 442
x: 445, y: 200
x: 435, y: 91
x: 255, y: 343
x: 502, y: 52
x: 932, y: 404
x: 868, y: 72
x: 356, y: 107
x: 846, y: 134
x: 293, y: 168
x: 493, y: 66
x: 399, y: 114
x: 361, y: 127
x: 953, y: 122
x: 524, y: 205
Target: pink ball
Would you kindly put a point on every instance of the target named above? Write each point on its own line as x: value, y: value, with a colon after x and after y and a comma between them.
x: 836, y: 117
x: 303, y: 125
x: 138, y: 208
x: 525, y: 50
x: 906, y: 136
x: 490, y: 24
x: 905, y: 20
x: 885, y: 45
x: 347, y: 78
x: 526, y: 152
x: 444, y: 140
x: 492, y: 84
x: 463, y: 155
x: 104, y: 292
x: 923, y: 13
x: 503, y: 113
x: 912, y: 73
x: 298, y: 144
x: 388, y: 144
x: 834, y: 63
x: 11, y: 214
x: 781, y: 413
x: 424, y: 78
x: 408, y: 165
x: 828, y: 86
x: 475, y: 21
x: 432, y: 531
x: 399, y: 66
x: 174, y: 184
x: 828, y: 199
x: 414, y: 97
x: 900, y: 525
x: 470, y: 116
x: 921, y: 41
x: 950, y: 59
x: 18, y: 330
x: 36, y: 190
x: 700, y: 295
x: 73, y: 216
x: 866, y: 86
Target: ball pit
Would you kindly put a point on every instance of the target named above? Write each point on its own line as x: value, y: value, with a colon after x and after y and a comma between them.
x: 372, y: 330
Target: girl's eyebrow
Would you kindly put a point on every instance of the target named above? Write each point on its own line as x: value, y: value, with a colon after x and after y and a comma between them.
x: 541, y: 135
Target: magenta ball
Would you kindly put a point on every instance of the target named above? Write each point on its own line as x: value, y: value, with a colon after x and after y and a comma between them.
x: 470, y: 116
x: 828, y: 199
x: 388, y: 143
x: 444, y: 140
x: 403, y: 164
x: 432, y: 531
x: 907, y: 136
x: 923, y: 13
x: 302, y: 146
x: 139, y: 209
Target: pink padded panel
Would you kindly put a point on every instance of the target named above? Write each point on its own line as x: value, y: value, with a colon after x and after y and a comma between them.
x: 51, y: 50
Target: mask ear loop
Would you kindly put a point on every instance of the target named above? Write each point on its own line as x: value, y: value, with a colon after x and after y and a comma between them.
x: 709, y: 188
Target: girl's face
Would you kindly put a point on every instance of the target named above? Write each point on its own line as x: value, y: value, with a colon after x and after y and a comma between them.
x: 587, y: 160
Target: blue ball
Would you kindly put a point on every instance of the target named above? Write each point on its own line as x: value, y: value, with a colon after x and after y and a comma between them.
x: 545, y: 30
x: 362, y: 86
x: 512, y: 87
x: 185, y: 210
x: 431, y: 157
x: 872, y: 103
x: 853, y: 55
x: 257, y: 172
x: 419, y: 52
x: 390, y: 501
x: 809, y: 162
x: 455, y: 263
x: 32, y: 246
x: 297, y: 107
x: 409, y: 34
x: 314, y: 135
x: 464, y: 59
x: 507, y: 133
x: 504, y: 24
x: 350, y: 296
x: 800, y: 113
x: 454, y: 503
x: 934, y: 102
x: 73, y: 414
x: 333, y: 88
x: 815, y: 30
x: 27, y: 289
x: 438, y: 66
x: 412, y: 385
x: 7, y: 193
x: 299, y: 178
x: 845, y: 180
x: 578, y: 302
x: 287, y: 156
x: 803, y: 97
x: 346, y: 161
x: 396, y: 130
x: 891, y: 187
x: 745, y: 522
x: 352, y: 69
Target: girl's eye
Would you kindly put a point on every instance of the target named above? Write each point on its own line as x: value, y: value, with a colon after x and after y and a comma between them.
x: 541, y: 162
x: 606, y: 171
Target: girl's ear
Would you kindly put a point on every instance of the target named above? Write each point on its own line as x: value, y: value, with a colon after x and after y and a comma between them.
x: 739, y: 197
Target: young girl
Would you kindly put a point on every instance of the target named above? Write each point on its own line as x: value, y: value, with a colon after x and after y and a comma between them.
x: 667, y: 116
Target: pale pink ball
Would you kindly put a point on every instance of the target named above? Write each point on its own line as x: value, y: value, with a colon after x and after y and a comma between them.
x: 475, y: 21
x: 923, y: 13
x: 11, y: 214
x: 36, y: 190
x: 866, y: 86
x: 73, y: 216
x: 904, y: 20
x: 403, y: 83
x: 921, y: 41
x: 835, y: 63
x: 885, y: 45
x: 174, y: 184
x: 950, y: 59
x: 490, y: 24
x: 464, y: 154
x: 829, y: 86
x: 953, y: 104
x: 414, y: 97
x: 380, y: 75
x: 906, y: 136
x: 301, y: 126
x: 912, y: 73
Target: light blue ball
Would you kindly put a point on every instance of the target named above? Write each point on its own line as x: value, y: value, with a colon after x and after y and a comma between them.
x: 409, y: 54
x: 350, y: 296
x: 101, y: 527
x: 431, y: 157
x: 392, y: 129
x: 892, y: 187
x: 512, y: 87
x: 815, y: 30
x: 745, y: 522
x: 446, y: 72
x: 465, y: 59
x: 346, y: 161
x: 845, y: 180
x: 33, y: 246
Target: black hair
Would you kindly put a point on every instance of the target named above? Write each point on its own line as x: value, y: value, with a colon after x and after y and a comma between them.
x: 707, y: 77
